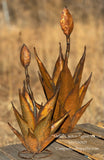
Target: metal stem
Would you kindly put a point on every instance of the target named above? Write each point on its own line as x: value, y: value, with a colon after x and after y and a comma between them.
x: 67, y: 45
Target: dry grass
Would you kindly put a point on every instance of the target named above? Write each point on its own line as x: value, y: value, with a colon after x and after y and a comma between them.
x: 45, y: 38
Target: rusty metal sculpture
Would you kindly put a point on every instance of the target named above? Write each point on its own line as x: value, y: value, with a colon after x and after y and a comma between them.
x: 71, y: 94
x: 37, y: 129
x: 39, y: 124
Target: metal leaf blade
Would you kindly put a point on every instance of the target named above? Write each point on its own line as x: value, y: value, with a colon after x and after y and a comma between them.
x: 43, y: 71
x: 43, y: 128
x: 56, y: 114
x: 47, y: 142
x: 31, y: 142
x: 83, y: 89
x: 28, y: 99
x: 17, y: 134
x: 65, y: 126
x: 26, y: 112
x: 22, y: 124
x: 72, y: 100
x: 48, y: 92
x: 57, y: 124
x: 65, y: 82
x: 58, y: 66
x: 48, y: 106
x: 79, y: 68
x: 78, y: 114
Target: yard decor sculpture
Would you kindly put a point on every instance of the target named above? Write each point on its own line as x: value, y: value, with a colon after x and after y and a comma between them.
x: 41, y: 124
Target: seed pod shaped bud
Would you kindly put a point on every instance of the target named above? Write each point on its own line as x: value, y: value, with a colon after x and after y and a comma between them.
x: 25, y: 56
x: 66, y: 22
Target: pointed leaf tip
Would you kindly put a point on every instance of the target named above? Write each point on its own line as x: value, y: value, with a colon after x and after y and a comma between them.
x: 44, y: 72
x: 79, y: 68
x: 17, y: 134
x: 58, y: 123
x: 88, y: 80
x: 27, y: 107
x: 48, y: 92
x: 83, y: 89
x: 36, y: 56
x: 22, y: 123
x: 35, y: 52
x: 84, y: 55
x: 48, y: 106
x: 79, y: 113
x: 47, y: 142
x: 58, y: 66
x: 85, y: 48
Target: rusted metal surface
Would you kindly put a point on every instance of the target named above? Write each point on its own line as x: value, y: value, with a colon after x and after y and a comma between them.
x: 63, y: 92
x: 66, y: 22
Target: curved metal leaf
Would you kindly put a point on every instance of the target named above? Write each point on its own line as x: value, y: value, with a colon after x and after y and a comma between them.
x: 65, y: 126
x: 48, y: 92
x: 56, y: 114
x: 48, y: 107
x: 44, y: 72
x: 28, y: 115
x: 17, y: 134
x: 65, y: 82
x: 72, y: 100
x: 43, y: 128
x: 57, y: 124
x: 79, y: 69
x: 47, y: 142
x: 83, y: 89
x: 58, y: 66
x: 28, y: 99
x: 31, y: 142
x: 78, y: 114
x: 22, y: 124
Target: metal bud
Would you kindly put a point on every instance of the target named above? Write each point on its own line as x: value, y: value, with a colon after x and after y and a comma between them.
x: 66, y: 22
x: 25, y: 56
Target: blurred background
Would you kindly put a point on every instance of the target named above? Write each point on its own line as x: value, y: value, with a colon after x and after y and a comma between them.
x: 36, y: 23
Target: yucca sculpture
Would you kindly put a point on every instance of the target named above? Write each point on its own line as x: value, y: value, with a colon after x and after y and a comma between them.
x: 40, y: 124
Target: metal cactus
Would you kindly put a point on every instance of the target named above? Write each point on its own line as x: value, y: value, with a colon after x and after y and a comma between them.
x: 39, y: 124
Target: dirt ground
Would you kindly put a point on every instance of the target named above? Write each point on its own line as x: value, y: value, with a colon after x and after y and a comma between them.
x: 37, y: 24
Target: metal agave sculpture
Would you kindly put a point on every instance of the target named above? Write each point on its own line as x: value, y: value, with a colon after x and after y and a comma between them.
x: 71, y: 95
x: 40, y: 124
x: 37, y: 128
